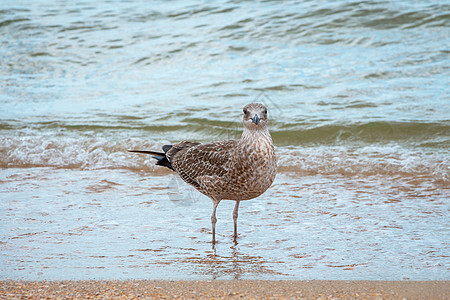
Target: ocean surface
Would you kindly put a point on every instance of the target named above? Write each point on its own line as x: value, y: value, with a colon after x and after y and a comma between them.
x: 359, y: 108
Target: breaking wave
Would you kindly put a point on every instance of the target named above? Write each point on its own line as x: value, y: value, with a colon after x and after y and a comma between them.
x: 88, y: 153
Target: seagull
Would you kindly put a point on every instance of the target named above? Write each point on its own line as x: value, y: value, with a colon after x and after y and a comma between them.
x: 226, y: 170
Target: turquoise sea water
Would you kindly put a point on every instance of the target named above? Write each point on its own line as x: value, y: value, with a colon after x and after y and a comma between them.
x: 358, y: 99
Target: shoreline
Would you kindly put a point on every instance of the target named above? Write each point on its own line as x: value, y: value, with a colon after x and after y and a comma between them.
x: 225, y: 289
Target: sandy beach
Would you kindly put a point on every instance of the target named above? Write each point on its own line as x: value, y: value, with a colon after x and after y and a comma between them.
x: 247, y: 289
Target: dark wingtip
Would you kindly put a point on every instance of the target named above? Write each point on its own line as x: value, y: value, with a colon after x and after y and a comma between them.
x: 166, y: 148
x: 160, y: 157
x: 148, y: 152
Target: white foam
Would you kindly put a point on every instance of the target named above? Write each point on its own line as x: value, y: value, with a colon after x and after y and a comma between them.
x: 80, y: 153
x: 385, y: 160
x: 101, y: 153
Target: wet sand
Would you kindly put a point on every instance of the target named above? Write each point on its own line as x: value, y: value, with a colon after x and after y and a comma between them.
x: 218, y: 289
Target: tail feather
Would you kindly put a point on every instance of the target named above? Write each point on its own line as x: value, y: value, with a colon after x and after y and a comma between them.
x: 159, y: 156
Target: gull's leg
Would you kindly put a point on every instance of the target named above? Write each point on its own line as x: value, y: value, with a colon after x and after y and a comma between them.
x: 235, y: 216
x: 214, y: 221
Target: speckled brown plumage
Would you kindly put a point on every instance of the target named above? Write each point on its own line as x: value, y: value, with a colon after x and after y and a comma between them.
x: 228, y: 170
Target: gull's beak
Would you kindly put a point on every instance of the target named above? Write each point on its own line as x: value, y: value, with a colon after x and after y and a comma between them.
x: 256, y: 119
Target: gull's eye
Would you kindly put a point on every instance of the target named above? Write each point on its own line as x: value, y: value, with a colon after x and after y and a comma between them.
x: 265, y: 111
x: 245, y: 111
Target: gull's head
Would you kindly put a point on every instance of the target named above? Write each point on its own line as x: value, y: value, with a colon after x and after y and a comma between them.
x: 255, y: 116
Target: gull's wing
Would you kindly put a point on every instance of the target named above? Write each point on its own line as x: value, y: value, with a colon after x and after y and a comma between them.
x: 193, y: 160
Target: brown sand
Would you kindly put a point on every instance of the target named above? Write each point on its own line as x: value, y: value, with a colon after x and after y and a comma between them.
x: 218, y: 289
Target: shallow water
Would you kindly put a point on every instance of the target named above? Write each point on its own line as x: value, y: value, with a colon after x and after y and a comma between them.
x: 134, y: 225
x: 360, y: 114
